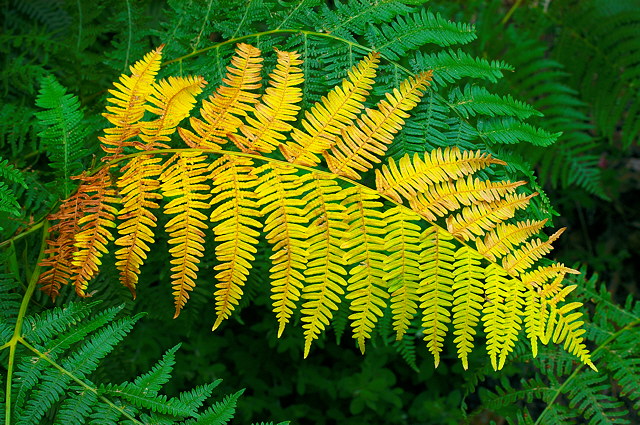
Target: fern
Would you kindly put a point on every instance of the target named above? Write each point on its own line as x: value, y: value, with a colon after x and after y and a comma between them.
x: 54, y: 355
x: 571, y: 393
x: 605, y: 35
x: 364, y: 256
x: 62, y: 135
x: 10, y: 176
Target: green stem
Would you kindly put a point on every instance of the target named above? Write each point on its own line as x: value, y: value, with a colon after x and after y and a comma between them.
x: 79, y: 381
x: 271, y: 32
x: 579, y: 368
x: 29, y: 230
x: 33, y: 281
x: 506, y: 17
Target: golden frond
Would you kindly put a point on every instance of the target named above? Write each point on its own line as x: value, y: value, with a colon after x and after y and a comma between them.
x: 138, y: 187
x: 91, y: 241
x: 442, y: 198
x: 184, y: 182
x: 322, y: 124
x: 436, y: 285
x: 130, y: 96
x: 536, y: 314
x: 171, y: 100
x: 544, y: 273
x: 363, y: 248
x: 285, y: 226
x: 501, y: 313
x: 235, y: 98
x: 325, y: 265
x: 277, y: 106
x: 331, y: 239
x: 366, y: 140
x: 467, y: 300
x: 402, y: 267
x: 521, y: 259
x: 567, y: 329
x: 235, y: 213
x: 475, y: 220
x: 505, y: 236
x: 412, y: 175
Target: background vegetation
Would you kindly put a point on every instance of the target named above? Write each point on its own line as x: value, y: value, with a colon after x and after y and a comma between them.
x: 578, y: 62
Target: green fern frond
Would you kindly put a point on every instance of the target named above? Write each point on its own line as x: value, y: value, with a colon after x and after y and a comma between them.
x: 509, y: 131
x: 410, y: 32
x: 56, y: 362
x: 63, y: 131
x: 449, y: 66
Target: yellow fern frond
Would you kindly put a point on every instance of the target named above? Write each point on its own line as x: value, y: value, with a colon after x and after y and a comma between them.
x: 536, y: 314
x: 436, y: 285
x: 413, y: 175
x: 544, y: 273
x: 477, y: 219
x: 220, y: 113
x: 505, y: 236
x: 184, y: 181
x: 402, y: 267
x: 501, y: 314
x: 467, y: 300
x: 560, y: 292
x: 366, y: 140
x: 448, y: 196
x: 286, y: 230
x: 522, y: 258
x: 325, y: 265
x: 130, y: 96
x: 91, y: 241
x: 277, y: 106
x: 172, y: 100
x: 235, y: 214
x: 567, y: 329
x: 322, y: 124
x: 364, y: 251
x: 138, y: 187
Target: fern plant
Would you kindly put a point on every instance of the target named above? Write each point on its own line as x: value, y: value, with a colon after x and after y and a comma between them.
x: 453, y: 253
x: 569, y: 393
x: 52, y: 358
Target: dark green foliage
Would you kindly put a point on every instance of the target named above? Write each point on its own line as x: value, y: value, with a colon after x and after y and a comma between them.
x: 9, y: 177
x: 601, y: 41
x: 63, y: 348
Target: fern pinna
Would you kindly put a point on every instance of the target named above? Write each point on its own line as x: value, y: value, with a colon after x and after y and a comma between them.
x: 425, y: 235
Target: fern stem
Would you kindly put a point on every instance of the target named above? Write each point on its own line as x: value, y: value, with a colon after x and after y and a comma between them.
x: 130, y: 33
x: 79, y: 381
x: 33, y: 281
x: 234, y: 40
x: 244, y: 17
x: 21, y: 235
x: 328, y: 174
x: 579, y: 368
x: 204, y: 22
x: 506, y: 17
